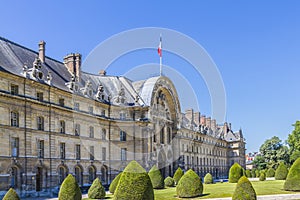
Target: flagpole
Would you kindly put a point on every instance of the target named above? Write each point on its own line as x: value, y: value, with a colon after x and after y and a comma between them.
x: 160, y: 65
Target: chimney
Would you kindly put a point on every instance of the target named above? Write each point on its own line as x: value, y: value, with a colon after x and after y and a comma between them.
x: 102, y: 72
x: 225, y: 127
x: 197, y: 118
x: 213, y: 124
x: 202, y: 120
x: 189, y: 114
x: 42, y: 51
x: 73, y: 63
x: 208, y: 122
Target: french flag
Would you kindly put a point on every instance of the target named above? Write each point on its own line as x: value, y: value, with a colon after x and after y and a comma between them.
x: 159, y: 50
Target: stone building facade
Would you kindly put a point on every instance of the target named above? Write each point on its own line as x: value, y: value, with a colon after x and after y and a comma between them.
x: 57, y: 119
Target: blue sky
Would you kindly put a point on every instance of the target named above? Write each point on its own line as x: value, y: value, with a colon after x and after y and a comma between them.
x: 254, y: 44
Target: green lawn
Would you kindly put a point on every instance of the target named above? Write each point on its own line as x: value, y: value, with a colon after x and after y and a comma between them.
x: 224, y: 190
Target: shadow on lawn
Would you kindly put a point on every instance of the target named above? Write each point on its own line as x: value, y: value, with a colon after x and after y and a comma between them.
x: 202, y: 195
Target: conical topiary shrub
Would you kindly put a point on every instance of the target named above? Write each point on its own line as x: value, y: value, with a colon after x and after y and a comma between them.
x: 178, y: 174
x: 11, y: 195
x: 235, y: 173
x: 257, y: 173
x: 156, y: 178
x: 169, y: 182
x: 253, y: 175
x: 208, y: 179
x: 262, y: 176
x: 292, y: 182
x: 244, y: 190
x: 270, y: 172
x: 134, y: 184
x: 96, y: 190
x: 69, y: 189
x: 281, y: 172
x: 189, y: 185
x: 248, y: 173
x: 114, y: 183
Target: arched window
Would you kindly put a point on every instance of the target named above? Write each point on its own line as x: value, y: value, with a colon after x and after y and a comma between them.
x: 14, y: 177
x: 92, y: 174
x: 78, y: 175
x: 62, y: 173
x: 14, y: 118
x: 40, y: 123
x: 162, y: 136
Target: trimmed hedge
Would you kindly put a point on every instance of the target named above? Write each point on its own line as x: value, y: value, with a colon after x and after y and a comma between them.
x: 244, y: 190
x: 96, y: 190
x: 177, y: 176
x: 189, y: 185
x: 208, y: 179
x: 134, y: 184
x: 262, y: 176
x: 169, y: 182
x: 235, y: 173
x: 248, y: 173
x: 156, y: 178
x: 270, y: 172
x: 281, y: 172
x: 11, y: 195
x: 292, y: 181
x: 114, y: 183
x: 69, y: 189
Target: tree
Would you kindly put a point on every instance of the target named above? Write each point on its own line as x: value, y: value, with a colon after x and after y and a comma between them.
x: 114, y: 183
x: 244, y: 190
x: 294, y: 142
x: 169, y: 182
x: 235, y: 173
x: 259, y: 162
x: 134, y: 183
x: 177, y: 176
x: 281, y: 172
x: 69, y: 189
x: 292, y: 181
x: 273, y: 151
x: 96, y: 190
x: 262, y: 176
x: 156, y: 178
x: 11, y: 195
x: 208, y: 179
x: 189, y: 185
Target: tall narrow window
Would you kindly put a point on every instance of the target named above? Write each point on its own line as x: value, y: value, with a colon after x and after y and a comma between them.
x: 92, y: 153
x: 103, y: 153
x: 103, y: 134
x: 122, y: 115
x: 15, y: 147
x: 61, y: 102
x: 91, y: 110
x: 122, y: 136
x: 77, y: 149
x: 154, y: 137
x: 14, y: 118
x: 77, y: 129
x: 62, y: 127
x: 91, y: 131
x: 62, y: 150
x: 40, y: 123
x: 123, y: 154
x: 14, y: 89
x: 41, y: 149
x: 76, y: 106
x: 103, y: 113
x: 162, y: 136
x: 169, y: 135
x: 40, y: 96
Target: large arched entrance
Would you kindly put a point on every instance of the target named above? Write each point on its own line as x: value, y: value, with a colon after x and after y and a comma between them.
x: 92, y: 173
x: 14, y: 171
x: 78, y: 174
x: 104, y: 175
x: 62, y: 172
